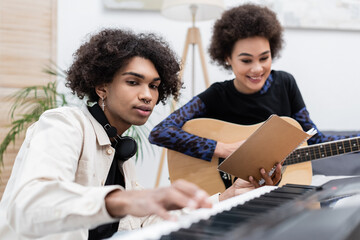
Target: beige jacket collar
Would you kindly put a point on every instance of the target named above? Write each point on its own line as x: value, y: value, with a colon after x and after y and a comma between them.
x: 101, y: 135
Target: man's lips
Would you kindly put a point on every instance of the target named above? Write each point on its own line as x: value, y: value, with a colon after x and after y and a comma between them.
x: 143, y: 110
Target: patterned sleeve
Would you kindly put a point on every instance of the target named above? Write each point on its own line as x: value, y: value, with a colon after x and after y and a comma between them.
x: 303, y: 118
x: 168, y: 133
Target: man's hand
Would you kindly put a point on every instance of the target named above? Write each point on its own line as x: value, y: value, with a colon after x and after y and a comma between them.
x: 240, y: 186
x: 156, y: 201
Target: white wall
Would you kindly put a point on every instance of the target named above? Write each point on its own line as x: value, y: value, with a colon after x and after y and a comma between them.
x: 325, y: 64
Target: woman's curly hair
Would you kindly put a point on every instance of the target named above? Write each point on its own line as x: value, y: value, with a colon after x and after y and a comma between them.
x: 242, y: 22
x: 98, y: 60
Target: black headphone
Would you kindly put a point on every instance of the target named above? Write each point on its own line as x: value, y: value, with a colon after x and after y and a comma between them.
x: 125, y: 147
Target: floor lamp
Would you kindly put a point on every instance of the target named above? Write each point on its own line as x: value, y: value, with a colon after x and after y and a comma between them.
x: 191, y: 10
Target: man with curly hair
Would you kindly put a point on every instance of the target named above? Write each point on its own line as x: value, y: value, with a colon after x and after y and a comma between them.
x: 245, y: 40
x: 71, y: 171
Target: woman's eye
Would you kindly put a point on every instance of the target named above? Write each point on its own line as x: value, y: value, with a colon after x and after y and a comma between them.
x: 246, y: 61
x: 264, y: 58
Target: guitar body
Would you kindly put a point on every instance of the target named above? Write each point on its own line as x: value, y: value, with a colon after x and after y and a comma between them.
x: 205, y: 174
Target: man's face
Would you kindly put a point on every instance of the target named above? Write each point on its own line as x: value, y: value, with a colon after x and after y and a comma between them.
x: 132, y: 95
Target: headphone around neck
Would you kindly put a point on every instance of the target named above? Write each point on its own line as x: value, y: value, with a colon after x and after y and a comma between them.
x: 125, y: 147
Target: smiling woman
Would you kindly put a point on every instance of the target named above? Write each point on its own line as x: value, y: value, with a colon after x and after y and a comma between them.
x: 245, y: 40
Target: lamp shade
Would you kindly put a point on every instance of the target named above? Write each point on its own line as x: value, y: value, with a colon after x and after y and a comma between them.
x: 180, y: 9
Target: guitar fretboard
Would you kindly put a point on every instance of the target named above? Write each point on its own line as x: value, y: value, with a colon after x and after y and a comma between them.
x: 323, y: 150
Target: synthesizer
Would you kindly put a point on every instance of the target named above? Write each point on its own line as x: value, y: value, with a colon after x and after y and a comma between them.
x: 330, y: 211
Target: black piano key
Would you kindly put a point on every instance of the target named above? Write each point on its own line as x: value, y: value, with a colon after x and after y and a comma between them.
x: 291, y: 190
x: 280, y: 195
x: 264, y: 202
x: 182, y: 234
x: 239, y: 213
x: 211, y: 222
x: 215, y: 224
x: 213, y: 229
x: 273, y: 199
x: 257, y: 208
x: 302, y: 186
x: 218, y: 222
x: 242, y: 215
x: 248, y: 209
x: 248, y: 212
x: 229, y: 218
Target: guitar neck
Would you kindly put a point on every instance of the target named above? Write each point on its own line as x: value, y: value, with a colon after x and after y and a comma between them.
x: 323, y: 150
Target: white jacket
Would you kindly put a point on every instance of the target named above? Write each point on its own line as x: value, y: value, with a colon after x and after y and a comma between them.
x: 56, y: 188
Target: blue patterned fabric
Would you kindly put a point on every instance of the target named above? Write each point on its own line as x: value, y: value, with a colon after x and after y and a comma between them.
x: 306, y: 123
x: 267, y: 84
x: 170, y: 135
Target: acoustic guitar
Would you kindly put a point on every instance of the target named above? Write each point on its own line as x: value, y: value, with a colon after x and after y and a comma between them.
x: 296, y: 167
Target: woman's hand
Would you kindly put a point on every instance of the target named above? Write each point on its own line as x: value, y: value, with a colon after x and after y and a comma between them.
x: 269, y: 180
x: 156, y: 201
x: 241, y: 186
x: 223, y: 150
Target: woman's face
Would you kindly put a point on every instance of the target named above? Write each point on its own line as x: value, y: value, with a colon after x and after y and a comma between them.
x: 132, y: 95
x: 251, y: 63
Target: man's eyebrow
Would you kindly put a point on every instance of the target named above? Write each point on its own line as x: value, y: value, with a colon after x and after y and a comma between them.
x: 134, y: 74
x: 249, y: 55
x: 139, y: 75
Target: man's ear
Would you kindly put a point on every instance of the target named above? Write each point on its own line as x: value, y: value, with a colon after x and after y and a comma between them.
x: 101, y: 90
x: 228, y: 61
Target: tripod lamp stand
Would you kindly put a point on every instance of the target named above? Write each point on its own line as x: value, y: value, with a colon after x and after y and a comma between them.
x: 191, y: 10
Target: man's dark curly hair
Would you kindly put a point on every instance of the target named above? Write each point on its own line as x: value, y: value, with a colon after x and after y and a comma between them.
x: 241, y: 22
x: 98, y: 60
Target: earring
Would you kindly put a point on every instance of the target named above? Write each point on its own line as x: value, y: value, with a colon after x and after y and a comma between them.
x: 102, y: 103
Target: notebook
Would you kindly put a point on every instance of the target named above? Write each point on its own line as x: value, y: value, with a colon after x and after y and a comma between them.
x: 270, y: 144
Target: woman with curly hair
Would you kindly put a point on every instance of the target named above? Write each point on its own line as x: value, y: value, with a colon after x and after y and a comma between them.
x: 245, y: 40
x: 71, y: 171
